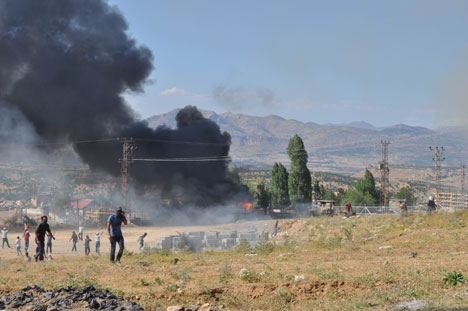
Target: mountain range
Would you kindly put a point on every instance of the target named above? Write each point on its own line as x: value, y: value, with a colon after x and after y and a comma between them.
x: 338, y: 148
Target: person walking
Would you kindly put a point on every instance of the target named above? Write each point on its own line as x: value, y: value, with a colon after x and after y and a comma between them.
x: 5, y: 237
x: 87, y: 249
x: 275, y: 229
x: 26, y: 239
x: 349, y: 209
x: 141, y: 240
x: 41, y: 231
x: 114, y: 228
x: 74, y: 238
x: 26, y: 257
x: 431, y: 206
x: 18, y: 246
x: 49, y: 244
x: 80, y: 233
x: 403, y: 208
x: 97, y: 238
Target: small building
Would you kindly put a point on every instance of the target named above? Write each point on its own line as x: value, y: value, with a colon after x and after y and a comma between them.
x: 82, y: 206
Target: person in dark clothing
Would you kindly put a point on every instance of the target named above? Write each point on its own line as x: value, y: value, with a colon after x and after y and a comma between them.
x: 275, y: 229
x: 41, y: 231
x: 114, y: 224
x: 431, y: 206
x: 74, y: 238
x: 87, y: 249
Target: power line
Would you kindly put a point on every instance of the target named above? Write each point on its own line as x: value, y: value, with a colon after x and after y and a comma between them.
x: 201, y: 159
x: 180, y: 142
x: 166, y: 141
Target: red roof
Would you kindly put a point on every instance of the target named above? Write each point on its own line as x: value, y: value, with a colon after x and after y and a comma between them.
x: 81, y: 203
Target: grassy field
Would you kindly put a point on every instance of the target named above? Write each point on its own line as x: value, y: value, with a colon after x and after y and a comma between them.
x: 313, y: 264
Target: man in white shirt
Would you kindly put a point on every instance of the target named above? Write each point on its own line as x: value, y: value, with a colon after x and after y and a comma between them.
x: 97, y: 238
x: 5, y: 237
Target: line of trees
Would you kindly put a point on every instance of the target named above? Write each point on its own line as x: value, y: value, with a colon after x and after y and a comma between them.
x: 364, y: 193
x: 295, y: 187
x: 286, y: 188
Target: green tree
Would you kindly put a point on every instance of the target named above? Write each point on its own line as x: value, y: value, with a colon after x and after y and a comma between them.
x: 318, y: 190
x: 279, y: 186
x: 407, y: 193
x: 356, y: 197
x: 366, y: 187
x: 234, y: 175
x: 251, y: 187
x: 330, y: 195
x: 261, y: 197
x: 300, y: 181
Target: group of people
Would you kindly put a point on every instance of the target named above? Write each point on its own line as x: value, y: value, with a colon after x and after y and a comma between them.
x: 97, y: 238
x: 40, y: 233
x: 114, y: 224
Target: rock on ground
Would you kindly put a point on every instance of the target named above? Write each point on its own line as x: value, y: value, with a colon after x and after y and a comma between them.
x: 410, y: 305
x: 34, y: 298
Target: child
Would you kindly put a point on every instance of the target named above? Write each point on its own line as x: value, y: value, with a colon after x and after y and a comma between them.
x: 86, y: 245
x: 18, y: 246
x: 97, y: 238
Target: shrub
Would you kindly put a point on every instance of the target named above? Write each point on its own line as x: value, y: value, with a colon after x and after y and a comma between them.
x: 264, y: 247
x: 243, y: 247
x: 157, y: 280
x: 248, y: 276
x: 225, y: 273
x: 185, y: 244
x: 171, y: 288
x: 454, y: 278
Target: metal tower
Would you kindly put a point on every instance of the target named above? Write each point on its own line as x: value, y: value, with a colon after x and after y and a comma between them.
x: 462, y: 181
x: 384, y: 173
x: 127, y: 159
x: 438, y: 151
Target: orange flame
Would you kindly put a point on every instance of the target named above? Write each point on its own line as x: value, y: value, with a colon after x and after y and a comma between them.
x: 247, y: 206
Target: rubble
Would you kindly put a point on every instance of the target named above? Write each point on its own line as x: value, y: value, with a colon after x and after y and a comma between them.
x: 35, y: 298
x: 211, y: 240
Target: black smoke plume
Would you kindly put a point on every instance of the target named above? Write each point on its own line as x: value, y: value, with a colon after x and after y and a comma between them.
x: 64, y: 64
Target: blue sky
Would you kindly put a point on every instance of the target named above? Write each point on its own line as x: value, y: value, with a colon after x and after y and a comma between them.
x: 384, y: 62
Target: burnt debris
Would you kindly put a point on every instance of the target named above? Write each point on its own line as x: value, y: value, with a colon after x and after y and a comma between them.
x: 35, y: 298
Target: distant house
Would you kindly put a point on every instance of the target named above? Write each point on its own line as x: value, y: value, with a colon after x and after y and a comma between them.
x: 82, y: 206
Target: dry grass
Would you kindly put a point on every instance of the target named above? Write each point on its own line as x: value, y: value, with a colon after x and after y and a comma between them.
x: 339, y: 259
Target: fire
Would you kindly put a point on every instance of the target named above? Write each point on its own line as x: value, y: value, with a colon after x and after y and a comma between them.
x: 247, y: 206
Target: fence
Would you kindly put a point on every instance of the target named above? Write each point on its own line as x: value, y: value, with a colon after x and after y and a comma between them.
x: 453, y: 201
x: 371, y: 210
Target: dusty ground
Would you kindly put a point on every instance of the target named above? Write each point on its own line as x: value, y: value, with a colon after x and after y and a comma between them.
x: 62, y: 245
x: 315, y: 264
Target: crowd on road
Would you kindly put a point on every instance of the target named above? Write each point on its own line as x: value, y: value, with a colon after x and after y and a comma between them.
x: 44, y: 249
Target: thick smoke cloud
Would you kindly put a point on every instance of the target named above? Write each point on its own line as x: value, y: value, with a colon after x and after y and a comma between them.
x: 64, y: 66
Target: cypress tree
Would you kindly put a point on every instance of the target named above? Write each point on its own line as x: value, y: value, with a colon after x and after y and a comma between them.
x: 261, y: 198
x: 279, y: 186
x: 300, y: 181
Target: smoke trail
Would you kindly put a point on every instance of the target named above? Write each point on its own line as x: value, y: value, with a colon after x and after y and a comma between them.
x: 65, y: 65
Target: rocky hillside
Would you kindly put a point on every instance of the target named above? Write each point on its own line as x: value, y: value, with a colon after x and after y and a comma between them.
x: 345, y: 148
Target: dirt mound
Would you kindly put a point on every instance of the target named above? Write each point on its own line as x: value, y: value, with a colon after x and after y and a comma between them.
x: 34, y: 298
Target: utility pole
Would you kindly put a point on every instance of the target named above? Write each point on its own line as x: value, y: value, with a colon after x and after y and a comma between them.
x: 462, y: 188
x: 128, y: 145
x: 438, y: 151
x: 462, y: 181
x: 384, y: 173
